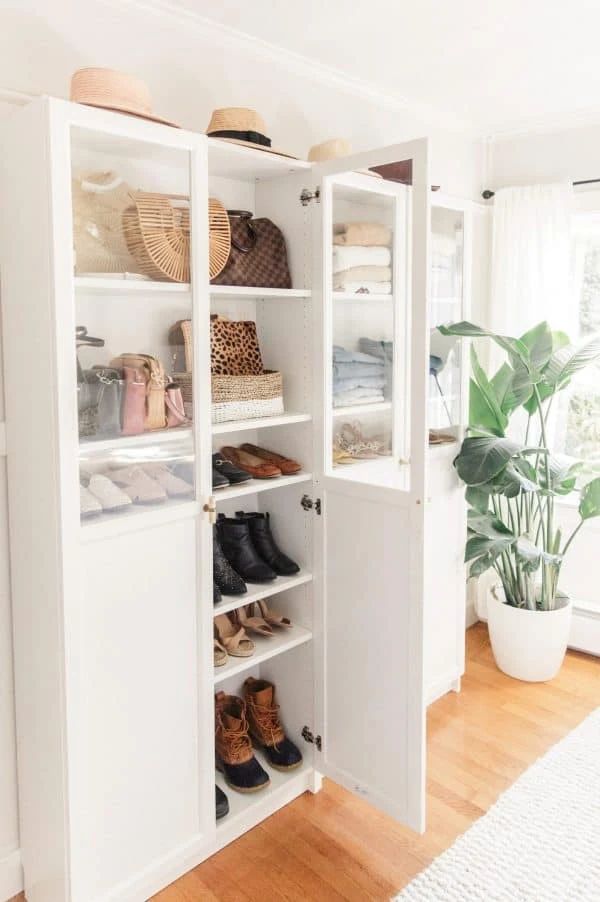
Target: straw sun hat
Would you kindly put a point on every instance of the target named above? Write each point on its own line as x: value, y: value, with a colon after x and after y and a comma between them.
x: 242, y: 126
x: 114, y: 90
x: 335, y: 149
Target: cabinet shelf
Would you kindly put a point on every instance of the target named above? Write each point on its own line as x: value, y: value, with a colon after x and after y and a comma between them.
x: 248, y: 809
x: 256, y: 486
x: 105, y: 285
x: 136, y: 517
x: 363, y: 297
x: 280, y: 642
x: 285, y: 419
x: 356, y: 410
x: 158, y: 437
x: 218, y: 292
x: 257, y: 592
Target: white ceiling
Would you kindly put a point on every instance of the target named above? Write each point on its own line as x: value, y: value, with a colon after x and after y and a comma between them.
x: 497, y: 64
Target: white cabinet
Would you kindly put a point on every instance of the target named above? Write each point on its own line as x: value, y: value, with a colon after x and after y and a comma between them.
x: 113, y: 615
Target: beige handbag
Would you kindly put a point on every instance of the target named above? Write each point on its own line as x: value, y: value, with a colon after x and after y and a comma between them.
x: 153, y: 374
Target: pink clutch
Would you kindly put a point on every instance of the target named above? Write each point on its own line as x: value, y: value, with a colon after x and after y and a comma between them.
x: 174, y: 404
x: 133, y: 407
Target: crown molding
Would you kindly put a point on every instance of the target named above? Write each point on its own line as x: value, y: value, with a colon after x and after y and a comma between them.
x: 225, y: 36
x: 524, y: 128
x: 17, y: 98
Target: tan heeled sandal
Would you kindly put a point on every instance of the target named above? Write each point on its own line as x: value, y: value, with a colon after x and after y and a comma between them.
x: 253, y: 624
x: 233, y: 637
x: 219, y: 653
x: 273, y: 618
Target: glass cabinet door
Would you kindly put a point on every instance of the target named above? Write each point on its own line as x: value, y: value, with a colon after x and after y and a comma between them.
x: 445, y: 407
x: 367, y: 328
x: 134, y: 330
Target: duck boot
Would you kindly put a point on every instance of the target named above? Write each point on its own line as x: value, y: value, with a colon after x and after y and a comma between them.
x: 235, y: 757
x: 265, y: 726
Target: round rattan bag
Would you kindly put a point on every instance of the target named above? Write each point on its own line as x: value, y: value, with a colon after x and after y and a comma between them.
x: 157, y: 233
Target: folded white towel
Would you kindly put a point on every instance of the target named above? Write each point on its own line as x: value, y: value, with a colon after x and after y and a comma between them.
x: 366, y: 287
x: 362, y: 274
x: 347, y: 257
x: 362, y: 233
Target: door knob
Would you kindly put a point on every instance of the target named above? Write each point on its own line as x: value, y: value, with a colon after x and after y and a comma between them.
x: 210, y: 508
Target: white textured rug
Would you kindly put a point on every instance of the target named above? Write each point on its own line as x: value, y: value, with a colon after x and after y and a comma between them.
x: 540, y: 842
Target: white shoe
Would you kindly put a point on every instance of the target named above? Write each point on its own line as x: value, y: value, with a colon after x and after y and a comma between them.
x: 173, y: 485
x: 88, y: 505
x: 138, y: 486
x: 108, y: 494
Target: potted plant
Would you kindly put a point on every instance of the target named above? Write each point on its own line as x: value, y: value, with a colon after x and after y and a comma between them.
x: 513, y: 479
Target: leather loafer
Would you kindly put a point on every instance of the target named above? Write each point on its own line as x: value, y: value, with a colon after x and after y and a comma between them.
x: 228, y: 470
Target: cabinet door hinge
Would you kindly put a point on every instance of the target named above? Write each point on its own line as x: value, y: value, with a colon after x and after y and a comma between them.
x: 308, y: 736
x: 308, y: 504
x: 306, y: 195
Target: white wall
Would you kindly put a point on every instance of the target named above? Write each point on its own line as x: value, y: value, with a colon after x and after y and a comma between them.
x: 190, y: 70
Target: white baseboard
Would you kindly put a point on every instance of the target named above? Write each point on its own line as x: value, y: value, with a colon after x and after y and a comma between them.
x: 585, y: 628
x: 471, y: 614
x: 11, y: 875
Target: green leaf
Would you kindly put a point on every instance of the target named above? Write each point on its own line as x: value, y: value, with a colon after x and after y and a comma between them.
x: 589, y: 501
x: 539, y: 343
x: 515, y: 349
x: 528, y: 554
x: 568, y: 360
x: 563, y: 474
x: 487, y: 525
x: 481, y: 565
x: 477, y: 498
x: 479, y: 546
x: 481, y: 458
x: 484, y: 409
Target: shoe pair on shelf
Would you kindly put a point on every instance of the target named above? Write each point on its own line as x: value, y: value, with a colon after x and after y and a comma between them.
x: 244, y: 549
x: 240, y: 722
x: 259, y: 463
x: 231, y: 630
x: 115, y: 490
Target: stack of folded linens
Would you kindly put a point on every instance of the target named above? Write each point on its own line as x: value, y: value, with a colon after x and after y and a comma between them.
x: 358, y: 378
x: 362, y: 258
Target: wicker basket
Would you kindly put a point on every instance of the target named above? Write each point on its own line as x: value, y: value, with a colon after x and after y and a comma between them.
x: 184, y: 381
x: 247, y: 397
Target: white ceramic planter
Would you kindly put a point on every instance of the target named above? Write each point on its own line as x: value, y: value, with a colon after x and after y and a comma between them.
x: 528, y: 645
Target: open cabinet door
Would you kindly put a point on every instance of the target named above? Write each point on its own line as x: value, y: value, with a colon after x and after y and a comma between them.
x: 370, y: 301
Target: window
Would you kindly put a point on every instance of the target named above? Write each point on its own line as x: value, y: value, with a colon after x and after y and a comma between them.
x: 578, y: 415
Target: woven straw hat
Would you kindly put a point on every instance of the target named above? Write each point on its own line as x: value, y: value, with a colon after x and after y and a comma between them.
x: 335, y: 149
x: 114, y: 90
x: 242, y: 126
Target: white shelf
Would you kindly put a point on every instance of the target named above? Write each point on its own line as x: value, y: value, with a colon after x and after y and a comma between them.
x: 283, y: 640
x: 256, y: 486
x: 144, y: 439
x: 106, y: 285
x: 285, y: 419
x: 256, y: 591
x: 136, y: 517
x: 248, y: 164
x: 248, y: 809
x: 356, y: 410
x: 240, y: 292
x: 363, y: 297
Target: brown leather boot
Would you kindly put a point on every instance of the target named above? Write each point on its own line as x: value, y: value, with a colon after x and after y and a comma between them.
x: 265, y: 726
x: 235, y: 757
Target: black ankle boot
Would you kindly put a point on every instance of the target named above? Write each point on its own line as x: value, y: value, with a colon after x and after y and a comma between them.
x: 240, y: 551
x: 263, y: 541
x: 225, y: 578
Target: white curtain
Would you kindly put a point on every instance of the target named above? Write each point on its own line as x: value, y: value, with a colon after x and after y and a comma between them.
x: 531, y: 260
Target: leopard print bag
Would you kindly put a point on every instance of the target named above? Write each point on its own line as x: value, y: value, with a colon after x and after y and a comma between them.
x: 234, y: 349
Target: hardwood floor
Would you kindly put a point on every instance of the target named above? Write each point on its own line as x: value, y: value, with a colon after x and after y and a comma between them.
x: 332, y: 846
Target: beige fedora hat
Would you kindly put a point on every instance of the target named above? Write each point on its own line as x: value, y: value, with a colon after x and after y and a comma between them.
x: 116, y: 91
x: 335, y: 149
x: 242, y: 126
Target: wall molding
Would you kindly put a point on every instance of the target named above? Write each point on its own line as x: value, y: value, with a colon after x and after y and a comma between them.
x: 11, y: 875
x: 232, y: 38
